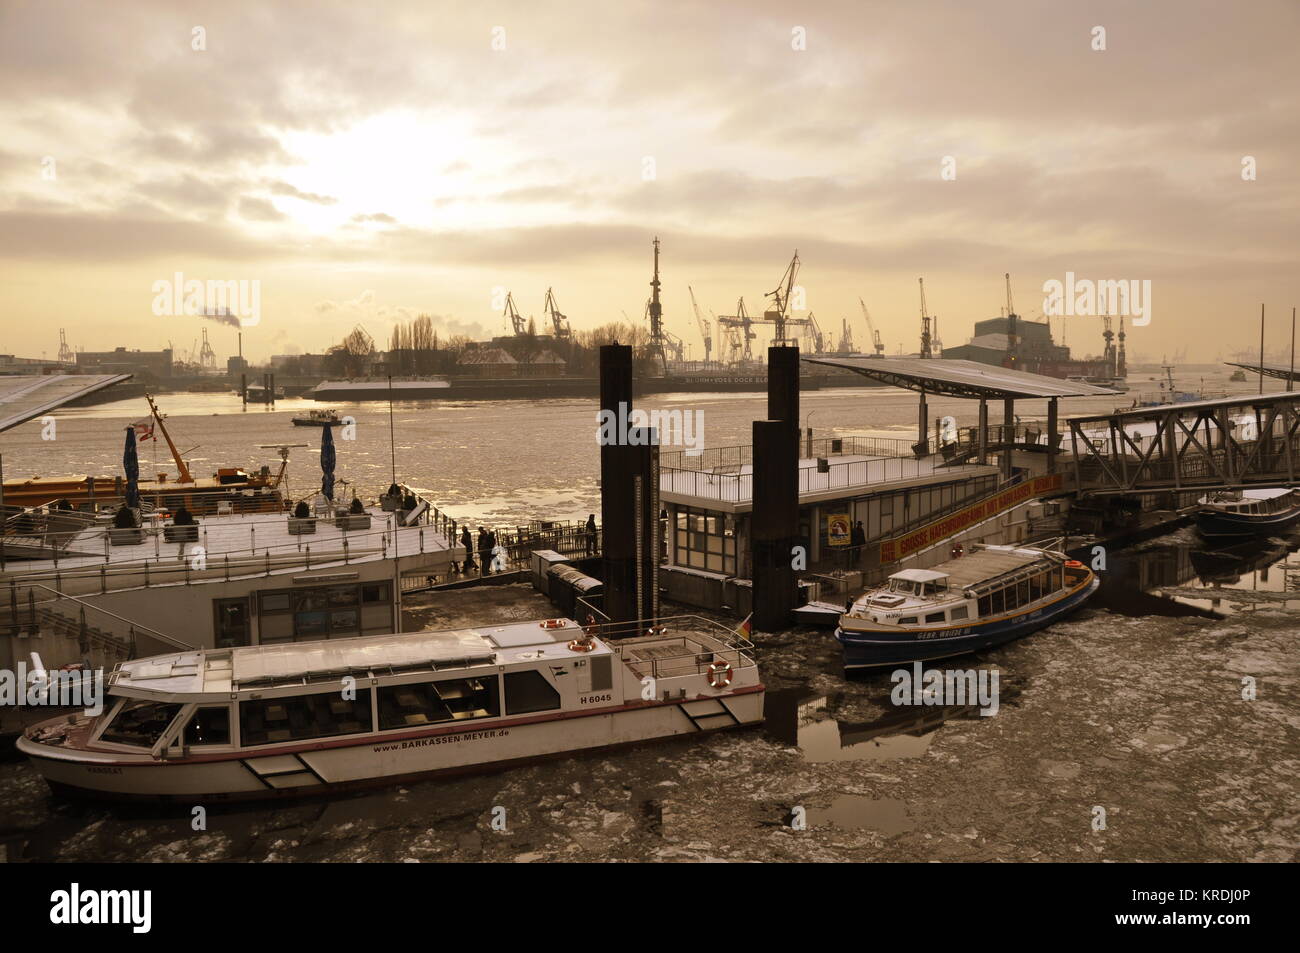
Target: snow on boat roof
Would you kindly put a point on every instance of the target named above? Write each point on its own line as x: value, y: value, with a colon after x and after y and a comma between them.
x: 257, y: 664
x: 1268, y: 494
x: 227, y: 670
x: 985, y: 564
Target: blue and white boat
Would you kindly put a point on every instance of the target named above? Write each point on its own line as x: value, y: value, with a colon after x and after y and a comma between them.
x: 1247, y: 513
x: 989, y: 596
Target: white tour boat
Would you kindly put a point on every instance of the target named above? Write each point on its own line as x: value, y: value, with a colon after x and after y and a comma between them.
x: 305, y: 718
x: 985, y: 598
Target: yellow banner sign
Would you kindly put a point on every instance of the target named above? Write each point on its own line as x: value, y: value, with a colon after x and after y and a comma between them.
x: 897, y: 548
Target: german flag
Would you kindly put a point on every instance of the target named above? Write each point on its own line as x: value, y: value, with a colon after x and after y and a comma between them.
x: 746, y: 629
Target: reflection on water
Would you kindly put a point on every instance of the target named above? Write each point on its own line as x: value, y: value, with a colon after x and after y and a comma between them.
x: 806, y: 721
x: 1184, y: 560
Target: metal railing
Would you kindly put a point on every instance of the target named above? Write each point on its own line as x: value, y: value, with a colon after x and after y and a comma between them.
x: 624, y: 637
x: 30, y: 610
x: 812, y: 478
x: 721, y: 458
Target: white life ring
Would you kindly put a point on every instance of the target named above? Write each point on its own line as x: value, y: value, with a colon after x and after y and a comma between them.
x: 720, y: 674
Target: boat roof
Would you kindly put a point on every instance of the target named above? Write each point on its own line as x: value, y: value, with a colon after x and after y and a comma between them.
x: 987, y: 564
x: 919, y: 575
x: 208, y: 671
x: 1270, y: 493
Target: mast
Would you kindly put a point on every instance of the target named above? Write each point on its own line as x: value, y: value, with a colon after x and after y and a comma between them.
x: 657, y: 313
x: 183, y: 470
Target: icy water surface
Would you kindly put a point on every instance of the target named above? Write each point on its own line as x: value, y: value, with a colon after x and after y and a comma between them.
x: 1141, y: 717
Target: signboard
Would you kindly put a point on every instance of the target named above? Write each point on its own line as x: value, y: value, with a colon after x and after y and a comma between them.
x: 899, y: 547
x: 838, y: 529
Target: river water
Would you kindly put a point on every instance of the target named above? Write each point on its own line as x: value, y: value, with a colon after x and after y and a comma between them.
x: 1131, y: 711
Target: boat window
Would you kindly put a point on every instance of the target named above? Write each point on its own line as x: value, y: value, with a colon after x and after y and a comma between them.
x: 935, y: 617
x: 909, y: 620
x: 529, y: 691
x: 269, y: 720
x: 407, y: 706
x: 958, y: 613
x: 209, y: 726
x: 986, y: 606
x: 902, y: 585
x: 140, y: 723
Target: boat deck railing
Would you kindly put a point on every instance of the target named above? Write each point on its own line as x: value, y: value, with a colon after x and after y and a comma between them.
x: 675, y: 646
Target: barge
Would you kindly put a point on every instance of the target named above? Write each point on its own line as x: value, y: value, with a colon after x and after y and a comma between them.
x: 988, y: 597
x: 314, y: 717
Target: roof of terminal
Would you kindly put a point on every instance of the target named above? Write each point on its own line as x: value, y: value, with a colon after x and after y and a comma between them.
x: 952, y: 378
x: 23, y: 398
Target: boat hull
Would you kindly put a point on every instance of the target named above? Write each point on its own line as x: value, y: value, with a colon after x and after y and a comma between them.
x: 896, y: 646
x: 380, y: 760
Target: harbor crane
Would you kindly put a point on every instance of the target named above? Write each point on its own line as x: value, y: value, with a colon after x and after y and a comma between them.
x: 739, y: 328
x: 779, y: 313
x: 516, y: 319
x: 207, y: 356
x: 876, y: 343
x: 814, y: 334
x: 560, y: 322
x: 705, y: 331
x: 925, y: 323
x: 65, y: 350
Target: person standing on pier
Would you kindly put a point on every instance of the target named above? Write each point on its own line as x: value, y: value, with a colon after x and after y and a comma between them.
x: 467, y: 542
x: 591, y: 534
x: 857, y: 541
x: 485, y: 551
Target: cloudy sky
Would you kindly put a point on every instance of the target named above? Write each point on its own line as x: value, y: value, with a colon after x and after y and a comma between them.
x: 370, y: 161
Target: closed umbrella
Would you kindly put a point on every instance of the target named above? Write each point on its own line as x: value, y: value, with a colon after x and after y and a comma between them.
x: 131, y: 466
x: 327, y: 462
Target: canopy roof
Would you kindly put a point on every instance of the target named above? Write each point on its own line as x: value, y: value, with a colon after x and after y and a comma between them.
x: 23, y: 398
x: 953, y: 378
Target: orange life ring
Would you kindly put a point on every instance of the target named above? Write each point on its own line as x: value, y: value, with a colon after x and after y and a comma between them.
x: 1073, y: 564
x: 720, y: 674
x: 582, y: 645
x: 592, y: 627
x: 552, y: 624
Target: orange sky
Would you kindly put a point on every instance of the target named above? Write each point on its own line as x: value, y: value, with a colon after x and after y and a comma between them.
x: 368, y: 162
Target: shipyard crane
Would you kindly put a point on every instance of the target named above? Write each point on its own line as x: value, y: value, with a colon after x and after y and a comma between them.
x: 559, y: 322
x: 925, y: 323
x: 740, y: 331
x: 846, y: 338
x: 814, y: 333
x: 705, y: 332
x: 779, y: 313
x: 207, y: 356
x: 516, y: 319
x: 876, y: 343
x: 65, y: 350
x: 1013, y: 331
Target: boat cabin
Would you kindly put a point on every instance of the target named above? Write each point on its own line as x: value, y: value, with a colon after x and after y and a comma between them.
x: 987, y: 582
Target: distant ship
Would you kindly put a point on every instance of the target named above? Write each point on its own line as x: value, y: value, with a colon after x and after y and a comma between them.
x: 1012, y: 342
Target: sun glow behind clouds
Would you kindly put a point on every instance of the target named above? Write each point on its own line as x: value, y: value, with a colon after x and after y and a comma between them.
x: 390, y: 164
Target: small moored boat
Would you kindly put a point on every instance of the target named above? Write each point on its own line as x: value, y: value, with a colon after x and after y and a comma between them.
x: 1247, y: 513
x: 306, y: 718
x: 319, y: 418
x: 990, y: 596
